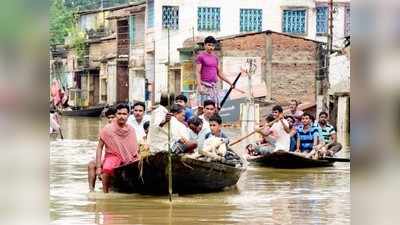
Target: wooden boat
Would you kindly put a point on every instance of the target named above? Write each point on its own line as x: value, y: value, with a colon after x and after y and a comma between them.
x: 189, y: 176
x: 285, y: 159
x: 94, y: 111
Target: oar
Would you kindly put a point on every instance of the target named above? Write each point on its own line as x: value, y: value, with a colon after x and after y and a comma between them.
x: 61, y: 135
x: 251, y: 133
x: 334, y: 159
x: 230, y: 90
x: 242, y: 138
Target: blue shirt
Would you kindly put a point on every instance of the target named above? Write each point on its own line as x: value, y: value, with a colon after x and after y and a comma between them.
x: 188, y: 113
x: 306, y: 138
x: 325, y: 132
x: 293, y: 140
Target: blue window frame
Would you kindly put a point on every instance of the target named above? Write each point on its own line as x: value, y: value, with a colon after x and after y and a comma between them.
x: 132, y: 30
x: 170, y: 17
x: 322, y: 19
x: 294, y: 21
x: 208, y: 19
x: 250, y: 20
x: 150, y: 13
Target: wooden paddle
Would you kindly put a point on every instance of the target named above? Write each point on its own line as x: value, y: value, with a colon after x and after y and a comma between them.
x: 253, y: 132
x: 230, y: 90
x: 334, y: 159
x: 61, y: 135
x: 242, y: 70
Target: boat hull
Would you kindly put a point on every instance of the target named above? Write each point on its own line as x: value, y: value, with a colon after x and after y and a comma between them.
x: 90, y: 112
x: 189, y: 176
x: 284, y: 159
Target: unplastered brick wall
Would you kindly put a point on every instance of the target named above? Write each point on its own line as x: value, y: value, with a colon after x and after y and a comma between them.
x: 100, y: 50
x: 244, y: 43
x: 245, y: 46
x: 294, y: 68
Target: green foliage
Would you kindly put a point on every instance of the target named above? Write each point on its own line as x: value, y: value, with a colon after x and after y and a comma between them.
x: 77, y: 41
x: 60, y: 21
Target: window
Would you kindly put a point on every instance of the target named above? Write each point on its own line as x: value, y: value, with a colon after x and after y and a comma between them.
x: 170, y: 17
x: 347, y: 21
x: 132, y: 30
x: 322, y: 20
x: 150, y: 13
x: 208, y: 19
x: 250, y: 20
x: 294, y: 21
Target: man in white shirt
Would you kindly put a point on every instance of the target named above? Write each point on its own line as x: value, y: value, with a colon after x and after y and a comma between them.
x: 158, y: 130
x: 208, y: 111
x: 137, y: 119
x: 180, y: 139
x: 279, y: 132
x: 197, y: 132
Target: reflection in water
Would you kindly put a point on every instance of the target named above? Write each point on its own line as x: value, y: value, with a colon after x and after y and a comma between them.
x: 262, y: 196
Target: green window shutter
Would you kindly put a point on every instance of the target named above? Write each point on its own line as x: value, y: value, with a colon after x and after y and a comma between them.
x: 132, y: 31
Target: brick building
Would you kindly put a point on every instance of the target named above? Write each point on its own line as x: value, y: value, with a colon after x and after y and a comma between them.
x: 282, y: 66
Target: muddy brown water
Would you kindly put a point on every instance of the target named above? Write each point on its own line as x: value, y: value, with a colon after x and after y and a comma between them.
x: 262, y: 195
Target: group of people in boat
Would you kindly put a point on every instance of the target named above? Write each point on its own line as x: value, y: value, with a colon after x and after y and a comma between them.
x: 297, y: 132
x: 130, y: 133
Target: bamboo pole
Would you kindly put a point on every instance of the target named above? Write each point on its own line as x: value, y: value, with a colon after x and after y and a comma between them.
x: 169, y: 128
x: 251, y: 133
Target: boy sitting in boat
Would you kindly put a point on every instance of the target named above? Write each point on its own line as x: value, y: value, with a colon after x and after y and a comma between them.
x: 180, y: 140
x: 307, y: 136
x: 215, y: 144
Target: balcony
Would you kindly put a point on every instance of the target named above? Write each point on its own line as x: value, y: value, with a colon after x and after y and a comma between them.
x: 98, y: 33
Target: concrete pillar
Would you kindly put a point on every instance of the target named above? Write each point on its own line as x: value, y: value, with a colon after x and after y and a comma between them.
x: 342, y: 120
x: 136, y: 85
x: 249, y: 117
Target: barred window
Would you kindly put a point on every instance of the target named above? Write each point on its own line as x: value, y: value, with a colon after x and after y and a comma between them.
x: 150, y: 13
x: 322, y: 20
x: 170, y: 17
x: 294, y: 21
x: 208, y: 19
x: 250, y: 20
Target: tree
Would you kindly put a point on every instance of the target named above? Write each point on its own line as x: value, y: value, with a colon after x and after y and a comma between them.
x: 61, y: 20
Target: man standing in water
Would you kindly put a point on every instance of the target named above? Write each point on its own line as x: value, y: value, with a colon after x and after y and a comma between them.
x: 110, y: 115
x: 207, y: 73
x: 120, y: 143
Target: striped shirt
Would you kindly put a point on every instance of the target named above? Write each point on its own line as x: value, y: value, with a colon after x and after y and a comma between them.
x: 306, y: 138
x: 326, y: 132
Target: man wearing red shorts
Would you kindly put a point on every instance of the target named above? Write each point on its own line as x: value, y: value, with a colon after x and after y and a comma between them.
x: 120, y: 143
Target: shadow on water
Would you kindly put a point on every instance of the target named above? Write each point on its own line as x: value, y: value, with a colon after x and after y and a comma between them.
x: 262, y: 195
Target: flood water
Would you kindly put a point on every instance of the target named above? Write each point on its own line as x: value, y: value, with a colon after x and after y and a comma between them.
x: 262, y: 196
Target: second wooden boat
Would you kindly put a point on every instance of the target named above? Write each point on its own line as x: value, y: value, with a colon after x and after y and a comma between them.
x: 285, y: 159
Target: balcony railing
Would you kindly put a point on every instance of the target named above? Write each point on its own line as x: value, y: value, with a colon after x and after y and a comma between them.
x: 99, y: 33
